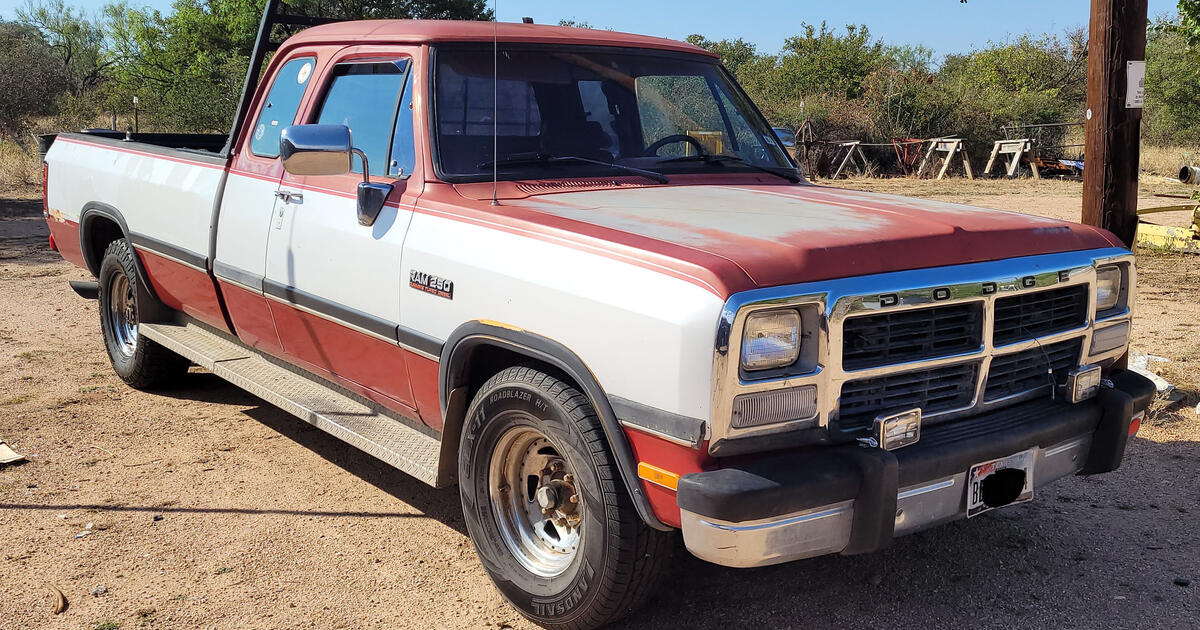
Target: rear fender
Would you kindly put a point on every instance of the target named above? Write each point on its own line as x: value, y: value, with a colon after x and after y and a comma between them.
x: 151, y: 309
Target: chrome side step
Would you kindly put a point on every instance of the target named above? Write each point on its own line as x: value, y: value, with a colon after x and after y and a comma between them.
x: 394, y: 440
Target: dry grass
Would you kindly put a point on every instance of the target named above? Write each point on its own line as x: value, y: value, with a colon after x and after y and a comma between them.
x: 1166, y: 161
x: 19, y: 170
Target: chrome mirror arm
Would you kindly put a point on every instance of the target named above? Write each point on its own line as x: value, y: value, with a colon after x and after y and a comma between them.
x: 366, y: 169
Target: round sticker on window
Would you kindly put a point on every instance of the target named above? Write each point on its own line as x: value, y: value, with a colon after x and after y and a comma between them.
x: 258, y: 133
x: 302, y: 75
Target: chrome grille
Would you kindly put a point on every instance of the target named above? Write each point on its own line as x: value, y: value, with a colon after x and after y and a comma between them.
x: 936, y: 390
x: 1028, y: 370
x: 912, y: 335
x: 1040, y: 313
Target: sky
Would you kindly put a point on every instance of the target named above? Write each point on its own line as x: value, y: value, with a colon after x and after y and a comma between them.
x: 946, y: 26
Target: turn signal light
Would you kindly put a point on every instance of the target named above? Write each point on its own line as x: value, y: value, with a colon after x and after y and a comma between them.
x: 1136, y: 423
x: 658, y: 476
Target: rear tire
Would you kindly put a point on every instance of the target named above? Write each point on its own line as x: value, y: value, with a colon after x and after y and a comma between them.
x: 140, y: 362
x: 531, y: 441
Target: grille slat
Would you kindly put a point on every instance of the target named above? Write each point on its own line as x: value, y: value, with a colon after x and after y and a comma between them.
x: 1026, y: 371
x: 1031, y: 315
x: 884, y: 339
x: 935, y: 390
x: 890, y: 338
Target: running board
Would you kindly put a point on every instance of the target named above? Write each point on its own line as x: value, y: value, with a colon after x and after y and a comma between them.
x: 391, y: 439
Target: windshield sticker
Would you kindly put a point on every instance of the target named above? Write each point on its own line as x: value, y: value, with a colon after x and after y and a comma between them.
x: 302, y: 75
x: 431, y: 284
x: 258, y: 133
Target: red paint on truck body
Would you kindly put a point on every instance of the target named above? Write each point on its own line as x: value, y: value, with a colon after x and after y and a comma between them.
x: 358, y: 358
x: 676, y: 458
x: 183, y: 288
x: 65, y: 235
x: 251, y: 318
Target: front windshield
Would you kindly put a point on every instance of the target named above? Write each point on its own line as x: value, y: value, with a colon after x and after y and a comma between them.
x: 574, y: 112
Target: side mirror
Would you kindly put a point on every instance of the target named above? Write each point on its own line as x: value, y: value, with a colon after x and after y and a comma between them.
x: 316, y: 149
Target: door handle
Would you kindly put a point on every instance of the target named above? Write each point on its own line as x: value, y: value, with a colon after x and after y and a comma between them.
x: 288, y: 196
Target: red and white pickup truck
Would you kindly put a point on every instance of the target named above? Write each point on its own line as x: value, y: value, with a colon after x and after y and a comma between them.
x: 574, y: 272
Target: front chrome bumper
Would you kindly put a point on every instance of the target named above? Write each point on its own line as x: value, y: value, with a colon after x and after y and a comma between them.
x: 853, y: 500
x: 826, y: 529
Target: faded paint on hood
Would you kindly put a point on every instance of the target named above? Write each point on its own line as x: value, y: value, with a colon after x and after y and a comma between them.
x: 788, y: 234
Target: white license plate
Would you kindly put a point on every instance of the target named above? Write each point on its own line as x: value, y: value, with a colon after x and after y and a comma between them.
x: 980, y: 472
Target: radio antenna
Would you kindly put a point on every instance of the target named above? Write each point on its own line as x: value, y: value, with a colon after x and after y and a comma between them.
x: 495, y: 104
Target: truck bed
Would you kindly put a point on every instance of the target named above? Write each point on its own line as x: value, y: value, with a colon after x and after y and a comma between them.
x: 205, y: 143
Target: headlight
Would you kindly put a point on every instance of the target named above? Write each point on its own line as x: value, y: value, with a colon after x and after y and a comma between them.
x: 771, y: 339
x: 1108, y: 288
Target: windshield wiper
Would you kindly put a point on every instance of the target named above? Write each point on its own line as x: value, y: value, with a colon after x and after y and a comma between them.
x: 717, y: 158
x: 543, y: 158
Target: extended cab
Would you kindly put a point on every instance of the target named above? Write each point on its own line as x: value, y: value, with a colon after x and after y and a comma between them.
x: 576, y: 273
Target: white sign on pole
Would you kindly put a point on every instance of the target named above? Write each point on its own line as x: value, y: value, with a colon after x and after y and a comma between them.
x: 1135, y: 84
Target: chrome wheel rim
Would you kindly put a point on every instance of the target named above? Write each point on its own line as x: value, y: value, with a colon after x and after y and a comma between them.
x: 534, y: 500
x: 122, y: 315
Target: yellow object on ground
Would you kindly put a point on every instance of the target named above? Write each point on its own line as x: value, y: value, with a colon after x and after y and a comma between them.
x: 1184, y: 240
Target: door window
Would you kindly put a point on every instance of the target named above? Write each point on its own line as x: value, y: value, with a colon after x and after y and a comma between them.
x: 367, y: 98
x: 280, y: 108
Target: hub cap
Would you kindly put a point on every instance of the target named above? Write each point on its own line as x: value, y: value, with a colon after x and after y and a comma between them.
x: 122, y: 315
x: 534, y: 501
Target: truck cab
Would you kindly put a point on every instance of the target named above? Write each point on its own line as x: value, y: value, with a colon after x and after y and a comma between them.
x: 576, y: 273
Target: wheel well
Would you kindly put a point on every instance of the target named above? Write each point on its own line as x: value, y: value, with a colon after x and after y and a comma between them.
x: 485, y: 361
x: 477, y: 350
x: 99, y: 231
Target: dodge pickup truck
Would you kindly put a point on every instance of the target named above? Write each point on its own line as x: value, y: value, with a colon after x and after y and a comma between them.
x: 575, y: 273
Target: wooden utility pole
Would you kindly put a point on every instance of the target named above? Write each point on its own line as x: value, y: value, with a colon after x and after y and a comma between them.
x: 1116, y: 37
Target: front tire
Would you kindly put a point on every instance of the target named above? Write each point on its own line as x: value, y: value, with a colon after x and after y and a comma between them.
x: 140, y: 362
x: 546, y: 508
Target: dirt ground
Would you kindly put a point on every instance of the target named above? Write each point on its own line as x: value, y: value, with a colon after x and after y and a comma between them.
x: 203, y: 507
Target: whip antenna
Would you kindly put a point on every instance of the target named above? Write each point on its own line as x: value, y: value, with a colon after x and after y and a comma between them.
x: 495, y: 104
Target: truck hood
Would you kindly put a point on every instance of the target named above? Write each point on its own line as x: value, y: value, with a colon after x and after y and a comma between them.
x: 778, y: 235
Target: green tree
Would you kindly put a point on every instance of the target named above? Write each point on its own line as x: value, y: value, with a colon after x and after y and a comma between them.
x: 1172, y: 113
x: 31, y: 79
x: 187, y: 67
x: 1189, y: 21
x: 820, y: 61
x: 76, y: 39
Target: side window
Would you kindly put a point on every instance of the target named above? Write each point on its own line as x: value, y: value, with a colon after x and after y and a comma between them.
x: 404, y: 154
x: 365, y: 97
x: 280, y: 108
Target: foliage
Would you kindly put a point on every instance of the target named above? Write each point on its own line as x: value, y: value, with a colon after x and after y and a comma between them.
x: 1172, y: 112
x: 1189, y: 21
x: 186, y: 67
x: 76, y: 39
x: 851, y: 86
x: 31, y: 78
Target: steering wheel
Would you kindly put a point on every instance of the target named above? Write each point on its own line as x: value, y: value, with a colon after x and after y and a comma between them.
x: 672, y: 139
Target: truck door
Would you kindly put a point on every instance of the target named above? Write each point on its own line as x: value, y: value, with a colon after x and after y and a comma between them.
x: 247, y: 207
x: 333, y: 284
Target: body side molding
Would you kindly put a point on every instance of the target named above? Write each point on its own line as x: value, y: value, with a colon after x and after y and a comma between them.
x: 673, y: 427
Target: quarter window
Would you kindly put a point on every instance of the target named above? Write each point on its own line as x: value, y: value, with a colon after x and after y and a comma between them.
x: 279, y: 110
x: 369, y: 98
